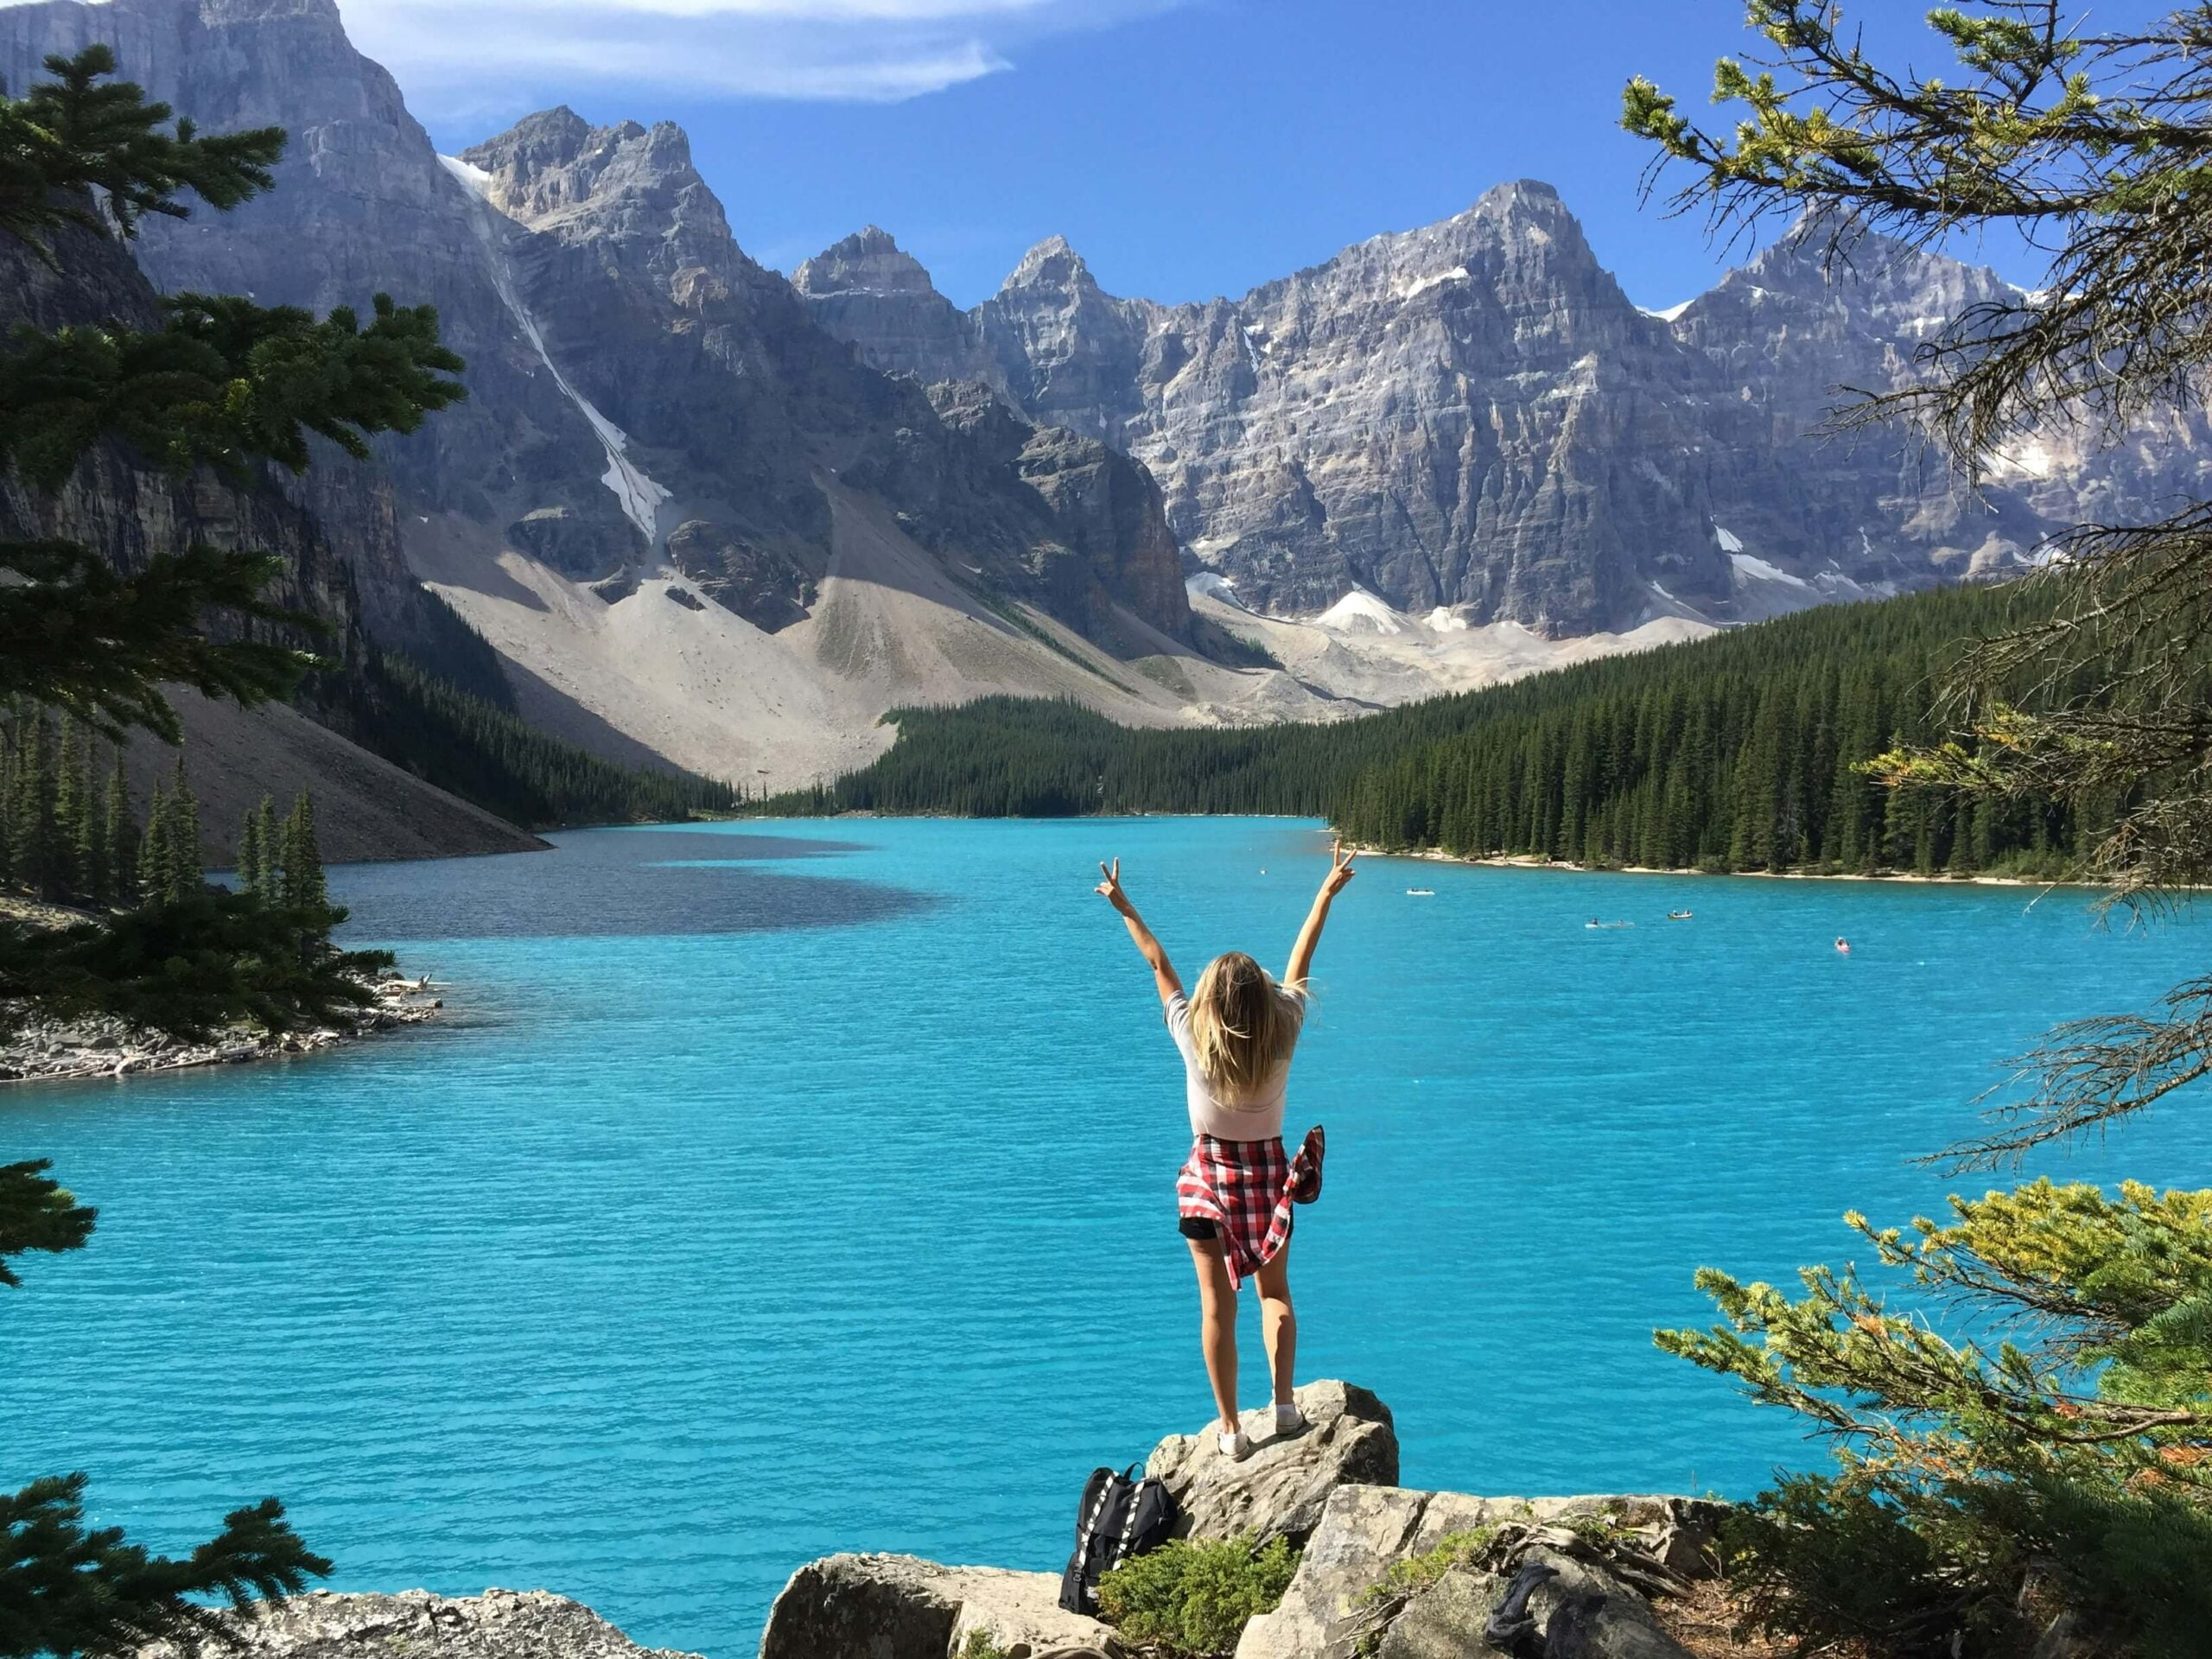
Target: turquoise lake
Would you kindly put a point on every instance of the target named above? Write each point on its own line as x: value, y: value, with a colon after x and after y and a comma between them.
x: 775, y: 1190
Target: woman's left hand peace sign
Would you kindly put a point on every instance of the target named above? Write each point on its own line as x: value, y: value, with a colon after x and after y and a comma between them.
x: 1339, y: 870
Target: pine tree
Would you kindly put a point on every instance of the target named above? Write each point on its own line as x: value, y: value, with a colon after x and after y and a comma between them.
x: 187, y: 861
x: 122, y: 838
x: 30, y: 809
x: 66, y: 875
x: 96, y: 840
x: 272, y: 849
x: 154, y: 861
x: 249, y: 867
x: 304, y: 887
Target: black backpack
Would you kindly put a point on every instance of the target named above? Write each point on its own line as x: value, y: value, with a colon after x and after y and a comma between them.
x: 1122, y: 1515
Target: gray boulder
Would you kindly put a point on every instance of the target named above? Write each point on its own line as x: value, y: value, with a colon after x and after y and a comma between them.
x: 1445, y: 1620
x: 1338, y: 1603
x: 1608, y: 1620
x: 1280, y: 1491
x: 498, y: 1624
x: 587, y: 547
x: 902, y: 1607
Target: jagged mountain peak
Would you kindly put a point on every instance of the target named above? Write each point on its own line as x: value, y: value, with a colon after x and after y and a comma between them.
x: 630, y: 188
x: 1522, y: 192
x: 1053, y: 264
x: 866, y: 262
x: 552, y: 162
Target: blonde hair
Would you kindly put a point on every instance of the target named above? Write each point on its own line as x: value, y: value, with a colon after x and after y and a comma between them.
x: 1242, y: 1024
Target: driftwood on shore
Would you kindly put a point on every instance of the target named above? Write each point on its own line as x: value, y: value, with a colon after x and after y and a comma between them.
x: 54, y: 1051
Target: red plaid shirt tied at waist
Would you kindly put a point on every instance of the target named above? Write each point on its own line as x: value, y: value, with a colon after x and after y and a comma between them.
x: 1246, y: 1188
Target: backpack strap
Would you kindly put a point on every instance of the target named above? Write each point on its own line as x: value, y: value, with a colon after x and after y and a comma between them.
x: 1091, y: 1520
x: 1128, y: 1526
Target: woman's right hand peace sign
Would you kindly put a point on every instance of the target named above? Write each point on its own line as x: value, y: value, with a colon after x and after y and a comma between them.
x: 1339, y: 870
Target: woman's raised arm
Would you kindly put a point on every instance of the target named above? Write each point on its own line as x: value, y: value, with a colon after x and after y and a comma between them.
x: 1155, y: 955
x: 1301, y: 954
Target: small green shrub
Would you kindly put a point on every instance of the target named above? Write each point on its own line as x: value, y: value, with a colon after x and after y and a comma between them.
x: 1190, y: 1600
x: 1600, y: 1529
x: 1409, y: 1577
x: 981, y: 1644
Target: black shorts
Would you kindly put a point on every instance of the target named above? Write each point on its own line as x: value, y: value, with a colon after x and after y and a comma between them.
x: 1199, y: 1228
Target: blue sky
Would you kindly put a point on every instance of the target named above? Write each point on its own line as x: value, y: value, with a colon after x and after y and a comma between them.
x: 1187, y: 148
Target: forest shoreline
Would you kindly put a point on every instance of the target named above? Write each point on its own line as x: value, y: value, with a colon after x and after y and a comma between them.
x: 1529, y: 862
x: 102, y: 1047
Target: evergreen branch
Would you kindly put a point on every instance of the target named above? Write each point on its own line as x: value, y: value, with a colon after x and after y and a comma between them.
x: 37, y: 1213
x: 66, y: 1589
x: 224, y: 382
x: 77, y: 635
x: 74, y: 136
x: 2087, y: 1074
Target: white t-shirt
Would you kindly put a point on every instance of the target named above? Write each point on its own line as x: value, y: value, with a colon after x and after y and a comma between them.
x: 1257, y: 1117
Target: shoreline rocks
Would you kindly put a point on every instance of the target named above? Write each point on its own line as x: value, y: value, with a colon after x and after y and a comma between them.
x: 1607, y: 1554
x: 903, y: 1607
x: 415, y: 1625
x: 52, y: 1051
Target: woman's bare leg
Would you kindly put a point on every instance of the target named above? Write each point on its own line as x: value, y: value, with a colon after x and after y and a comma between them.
x: 1217, y: 1325
x: 1278, y: 1322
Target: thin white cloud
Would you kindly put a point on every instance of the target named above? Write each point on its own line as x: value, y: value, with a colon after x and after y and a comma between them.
x: 482, y: 52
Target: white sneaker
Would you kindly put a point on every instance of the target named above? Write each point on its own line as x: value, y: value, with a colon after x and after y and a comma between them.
x: 1289, y: 1420
x: 1235, y: 1447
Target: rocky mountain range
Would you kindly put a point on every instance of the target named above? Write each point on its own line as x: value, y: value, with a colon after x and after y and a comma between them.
x: 708, y: 516
x: 1473, y: 416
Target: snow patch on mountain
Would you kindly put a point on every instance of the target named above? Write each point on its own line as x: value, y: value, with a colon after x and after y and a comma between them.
x: 1211, y: 584
x: 1457, y: 274
x: 473, y: 179
x: 1361, y: 612
x: 1758, y: 569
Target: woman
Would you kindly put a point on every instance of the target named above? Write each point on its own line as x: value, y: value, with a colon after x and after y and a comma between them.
x: 1234, y: 1192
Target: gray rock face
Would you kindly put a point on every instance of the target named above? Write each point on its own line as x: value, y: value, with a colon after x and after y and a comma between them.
x: 589, y: 549
x: 1474, y: 414
x: 1281, y: 1489
x: 1337, y: 1604
x: 900, y: 1607
x: 767, y: 588
x: 498, y: 1624
x: 867, y: 288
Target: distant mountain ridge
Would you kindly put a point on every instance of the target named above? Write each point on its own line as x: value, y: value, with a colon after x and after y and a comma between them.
x: 1472, y: 414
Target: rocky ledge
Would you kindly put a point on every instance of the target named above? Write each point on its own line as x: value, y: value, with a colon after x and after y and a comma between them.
x: 46, y: 1050
x: 415, y: 1624
x: 1386, y: 1571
